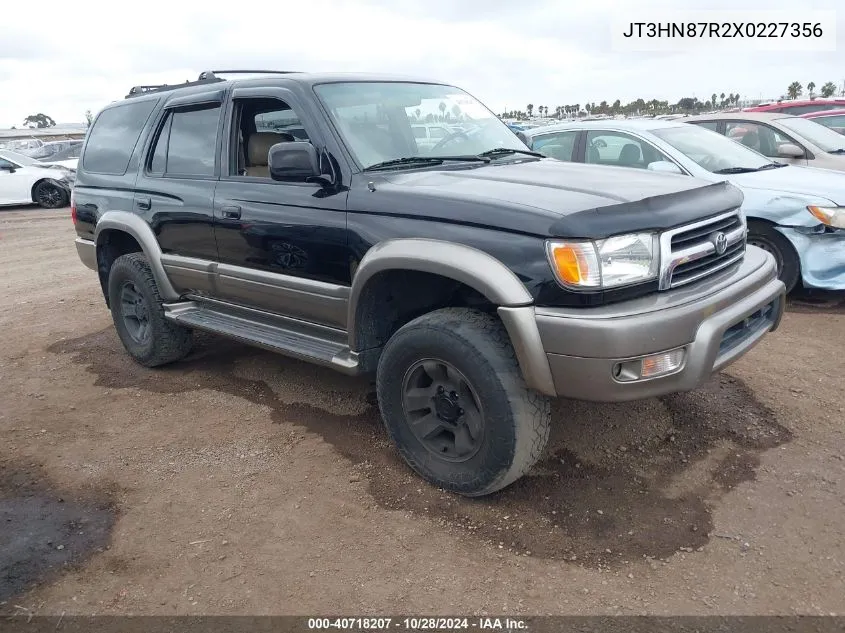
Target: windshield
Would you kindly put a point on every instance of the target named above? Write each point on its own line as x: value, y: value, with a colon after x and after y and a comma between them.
x: 826, y: 139
x: 711, y: 150
x: 376, y: 121
x: 20, y: 159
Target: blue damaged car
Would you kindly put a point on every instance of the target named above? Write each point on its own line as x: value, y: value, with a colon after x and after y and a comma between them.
x: 795, y: 213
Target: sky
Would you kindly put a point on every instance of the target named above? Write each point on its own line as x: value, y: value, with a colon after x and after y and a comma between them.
x: 70, y: 57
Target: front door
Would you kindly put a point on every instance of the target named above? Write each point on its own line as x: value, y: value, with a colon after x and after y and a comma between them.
x: 15, y: 183
x: 282, y: 246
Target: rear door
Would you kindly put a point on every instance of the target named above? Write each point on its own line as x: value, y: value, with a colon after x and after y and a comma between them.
x: 176, y: 183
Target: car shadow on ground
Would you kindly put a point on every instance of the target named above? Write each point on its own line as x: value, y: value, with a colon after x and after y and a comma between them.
x: 618, y: 482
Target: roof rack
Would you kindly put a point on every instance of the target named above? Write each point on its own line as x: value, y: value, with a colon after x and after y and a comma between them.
x: 206, y: 77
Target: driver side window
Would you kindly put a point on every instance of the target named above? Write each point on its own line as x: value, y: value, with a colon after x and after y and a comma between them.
x: 259, y: 124
x: 758, y: 137
x: 621, y: 149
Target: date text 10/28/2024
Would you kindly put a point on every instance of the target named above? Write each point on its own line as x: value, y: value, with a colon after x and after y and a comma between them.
x: 418, y: 624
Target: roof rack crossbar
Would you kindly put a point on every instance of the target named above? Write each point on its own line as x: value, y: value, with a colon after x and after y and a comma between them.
x: 210, y: 74
x: 136, y: 91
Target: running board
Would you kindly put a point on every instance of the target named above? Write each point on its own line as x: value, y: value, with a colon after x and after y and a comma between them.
x: 291, y: 337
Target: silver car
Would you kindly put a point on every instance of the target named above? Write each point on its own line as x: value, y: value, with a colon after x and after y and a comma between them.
x: 795, y: 213
x: 785, y: 138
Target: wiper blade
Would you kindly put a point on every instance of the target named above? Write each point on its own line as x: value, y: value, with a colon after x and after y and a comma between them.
x: 410, y: 161
x: 841, y: 150
x: 736, y: 170
x: 771, y: 166
x: 504, y: 151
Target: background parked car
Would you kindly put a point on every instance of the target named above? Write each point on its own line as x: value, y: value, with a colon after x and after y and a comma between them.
x: 56, y: 150
x: 834, y: 119
x: 786, y: 138
x: 21, y: 145
x: 24, y: 180
x: 797, y: 107
x: 795, y: 213
x: 428, y: 135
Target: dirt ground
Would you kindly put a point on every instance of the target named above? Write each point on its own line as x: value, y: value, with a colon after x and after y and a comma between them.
x: 240, y: 482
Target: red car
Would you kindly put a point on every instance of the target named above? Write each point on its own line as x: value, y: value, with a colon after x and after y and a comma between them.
x: 796, y: 107
x: 834, y: 119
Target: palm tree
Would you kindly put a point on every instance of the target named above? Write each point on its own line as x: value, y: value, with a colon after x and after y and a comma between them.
x: 810, y: 87
x: 417, y: 112
x: 530, y: 108
x: 828, y: 90
x: 722, y: 99
x: 794, y: 90
x: 442, y: 108
x: 713, y: 99
x: 456, y: 110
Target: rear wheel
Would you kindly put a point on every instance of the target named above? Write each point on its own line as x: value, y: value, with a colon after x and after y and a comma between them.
x: 770, y: 240
x: 454, y: 402
x: 50, y: 196
x: 138, y: 314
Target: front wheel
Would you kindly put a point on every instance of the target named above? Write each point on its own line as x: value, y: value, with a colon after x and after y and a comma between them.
x: 50, y: 196
x: 455, y: 404
x: 770, y: 240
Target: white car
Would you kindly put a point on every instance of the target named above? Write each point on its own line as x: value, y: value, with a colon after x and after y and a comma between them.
x: 24, y: 180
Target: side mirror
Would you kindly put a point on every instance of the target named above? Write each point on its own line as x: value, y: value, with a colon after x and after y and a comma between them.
x: 790, y: 150
x: 296, y: 161
x: 665, y: 167
x: 9, y: 168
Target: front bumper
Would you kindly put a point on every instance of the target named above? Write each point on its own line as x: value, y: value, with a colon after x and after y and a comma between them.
x: 715, y: 322
x: 822, y: 256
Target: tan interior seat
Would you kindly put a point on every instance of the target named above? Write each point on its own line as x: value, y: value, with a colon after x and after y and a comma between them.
x: 258, y: 145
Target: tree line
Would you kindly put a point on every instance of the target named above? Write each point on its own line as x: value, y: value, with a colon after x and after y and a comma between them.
x: 655, y: 106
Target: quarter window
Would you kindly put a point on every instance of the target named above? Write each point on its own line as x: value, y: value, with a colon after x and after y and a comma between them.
x: 113, y: 136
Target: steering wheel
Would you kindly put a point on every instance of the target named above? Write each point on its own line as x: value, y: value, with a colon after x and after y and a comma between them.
x: 448, y: 139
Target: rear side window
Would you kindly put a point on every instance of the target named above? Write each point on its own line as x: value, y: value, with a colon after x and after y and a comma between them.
x: 113, y: 137
x: 187, y: 143
x: 710, y: 125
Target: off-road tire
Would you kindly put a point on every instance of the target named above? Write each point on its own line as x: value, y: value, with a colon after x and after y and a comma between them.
x: 50, y: 196
x: 769, y: 239
x: 515, y: 421
x: 167, y: 342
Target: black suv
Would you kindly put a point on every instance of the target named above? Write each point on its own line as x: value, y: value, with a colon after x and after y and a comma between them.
x: 474, y: 278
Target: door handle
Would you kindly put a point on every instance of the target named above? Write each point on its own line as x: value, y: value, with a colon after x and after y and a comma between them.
x: 144, y: 204
x: 231, y: 212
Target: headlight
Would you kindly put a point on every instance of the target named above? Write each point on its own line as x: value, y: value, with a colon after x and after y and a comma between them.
x: 615, y: 261
x: 831, y: 216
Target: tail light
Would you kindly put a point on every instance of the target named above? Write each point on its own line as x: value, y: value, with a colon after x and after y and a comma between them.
x: 72, y: 207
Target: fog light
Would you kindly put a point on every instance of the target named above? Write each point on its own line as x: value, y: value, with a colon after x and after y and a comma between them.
x: 660, y: 364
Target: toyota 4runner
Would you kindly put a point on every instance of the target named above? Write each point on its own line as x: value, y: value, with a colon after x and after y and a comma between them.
x: 472, y: 277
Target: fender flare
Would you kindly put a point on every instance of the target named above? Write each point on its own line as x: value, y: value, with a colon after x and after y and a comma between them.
x: 474, y: 268
x: 143, y: 234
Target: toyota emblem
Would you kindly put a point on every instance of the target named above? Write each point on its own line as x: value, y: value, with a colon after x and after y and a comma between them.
x: 720, y: 242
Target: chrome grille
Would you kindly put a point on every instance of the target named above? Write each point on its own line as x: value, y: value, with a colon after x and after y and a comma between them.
x: 689, y: 253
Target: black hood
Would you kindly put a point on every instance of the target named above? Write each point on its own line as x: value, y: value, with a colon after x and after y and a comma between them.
x: 548, y: 197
